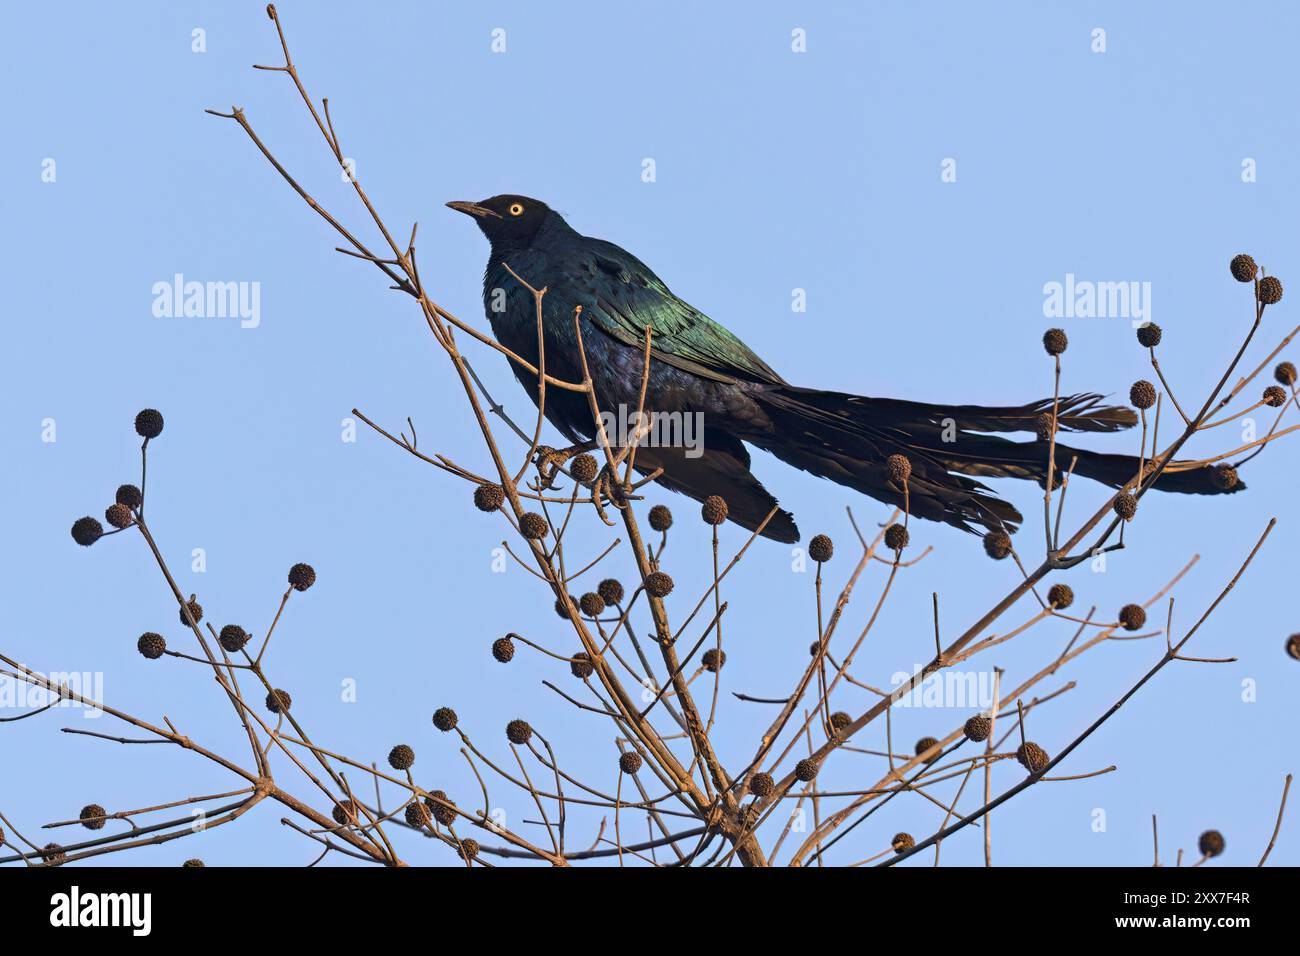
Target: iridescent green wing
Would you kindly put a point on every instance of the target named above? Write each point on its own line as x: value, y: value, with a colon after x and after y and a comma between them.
x: 622, y: 296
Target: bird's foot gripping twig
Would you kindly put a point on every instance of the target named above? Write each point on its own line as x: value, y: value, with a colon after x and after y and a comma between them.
x: 609, y: 487
x: 550, y: 461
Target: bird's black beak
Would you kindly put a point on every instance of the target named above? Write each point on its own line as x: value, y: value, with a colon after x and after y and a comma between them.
x: 473, y: 209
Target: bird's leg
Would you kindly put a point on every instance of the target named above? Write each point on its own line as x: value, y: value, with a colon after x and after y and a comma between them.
x: 610, y: 487
x: 550, y: 460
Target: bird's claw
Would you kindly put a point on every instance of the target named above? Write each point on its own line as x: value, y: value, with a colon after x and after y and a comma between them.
x: 550, y: 461
x: 607, y: 486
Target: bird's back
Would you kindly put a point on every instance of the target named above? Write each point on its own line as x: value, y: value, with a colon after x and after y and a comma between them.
x: 620, y: 296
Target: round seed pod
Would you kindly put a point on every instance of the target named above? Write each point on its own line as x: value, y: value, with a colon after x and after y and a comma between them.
x: 997, y: 545
x: 661, y: 519
x: 503, y: 649
x: 445, y: 719
x: 519, y: 732
x: 1270, y: 290
x: 1032, y: 757
x: 562, y: 607
x: 1243, y: 268
x: 401, y: 757
x: 1044, y: 426
x: 1274, y: 396
x: 193, y: 863
x: 896, y: 537
x: 92, y: 816
x: 1060, y: 596
x: 1126, y: 506
x: 630, y: 761
x: 345, y: 812
x: 446, y: 815
x: 581, y: 666
x: 762, y: 785
x: 1142, y: 394
x: 924, y: 744
x: 610, y: 591
x: 86, y: 531
x: 468, y: 848
x: 902, y: 842
x: 592, y: 604
x: 658, y: 584
x: 149, y: 423
x: 533, y: 526
x: 840, y: 720
x: 1149, y: 335
x: 1211, y: 843
x: 900, y: 468
x: 195, y: 611
x: 302, y: 576
x: 152, y: 646
x: 584, y: 468
x: 278, y: 701
x: 713, y: 659
x: 978, y: 728
x: 1132, y: 616
x: 54, y: 854
x: 714, y: 510
x: 489, y: 496
x: 1292, y: 647
x: 806, y: 770
x: 232, y: 637
x: 1284, y: 373
x: 1055, y: 342
x: 119, y: 516
x: 1058, y: 479
x: 129, y: 495
x: 418, y: 815
x: 821, y: 548
x: 813, y: 648
x: 1225, y: 476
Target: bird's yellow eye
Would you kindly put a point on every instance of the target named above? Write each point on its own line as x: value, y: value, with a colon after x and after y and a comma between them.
x: 516, y: 209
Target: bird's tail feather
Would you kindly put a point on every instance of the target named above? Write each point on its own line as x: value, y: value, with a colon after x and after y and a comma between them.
x: 992, y: 457
x: 1075, y: 413
x: 847, y: 438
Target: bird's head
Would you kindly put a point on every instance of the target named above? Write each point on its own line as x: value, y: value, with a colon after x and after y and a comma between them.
x: 508, y: 221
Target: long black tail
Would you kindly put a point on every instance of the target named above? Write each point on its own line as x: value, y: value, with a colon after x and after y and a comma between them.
x: 847, y: 438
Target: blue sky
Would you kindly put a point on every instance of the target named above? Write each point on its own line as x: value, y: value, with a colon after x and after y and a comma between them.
x: 775, y: 171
